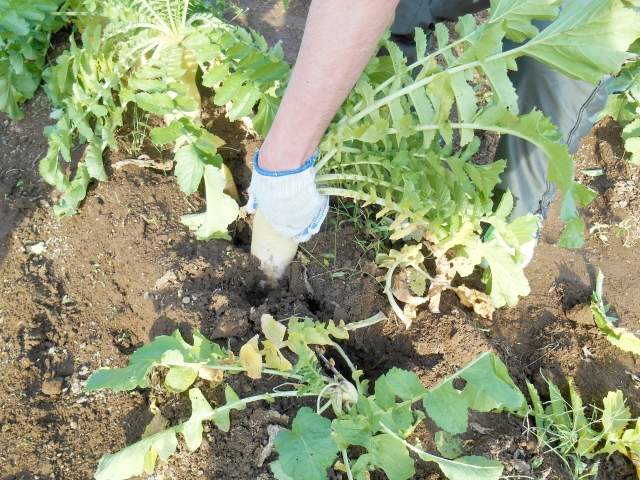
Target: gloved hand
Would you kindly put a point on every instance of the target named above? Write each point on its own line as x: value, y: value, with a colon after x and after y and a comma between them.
x: 289, y: 200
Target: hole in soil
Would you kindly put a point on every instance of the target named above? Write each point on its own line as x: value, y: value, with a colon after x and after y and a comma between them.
x: 314, y: 306
x: 256, y: 295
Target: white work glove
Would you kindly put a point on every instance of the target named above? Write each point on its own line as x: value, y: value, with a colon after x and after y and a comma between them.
x: 289, y: 200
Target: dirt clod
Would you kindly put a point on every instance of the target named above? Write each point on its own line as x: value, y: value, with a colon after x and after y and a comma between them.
x: 53, y: 386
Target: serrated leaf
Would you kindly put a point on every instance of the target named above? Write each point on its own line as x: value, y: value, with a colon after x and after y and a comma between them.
x: 168, y: 134
x: 156, y: 103
x: 267, y: 110
x: 243, y: 101
x: 307, y: 450
x: 229, y: 89
x: 615, y: 414
x: 215, y: 74
x: 399, y: 419
x: 74, y: 196
x: 140, y: 364
x: 51, y: 170
x: 221, y: 415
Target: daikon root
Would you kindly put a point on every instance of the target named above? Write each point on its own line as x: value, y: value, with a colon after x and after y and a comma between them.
x: 274, y: 252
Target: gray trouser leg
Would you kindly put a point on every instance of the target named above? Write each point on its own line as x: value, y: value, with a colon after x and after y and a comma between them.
x: 571, y: 104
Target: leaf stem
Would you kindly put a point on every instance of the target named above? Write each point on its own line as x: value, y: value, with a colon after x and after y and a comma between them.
x: 345, y: 460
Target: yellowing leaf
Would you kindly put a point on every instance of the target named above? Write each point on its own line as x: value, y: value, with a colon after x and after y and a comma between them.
x: 213, y: 375
x: 274, y: 358
x: 273, y: 330
x: 251, y: 358
x: 480, y: 302
x: 158, y: 424
x: 615, y: 415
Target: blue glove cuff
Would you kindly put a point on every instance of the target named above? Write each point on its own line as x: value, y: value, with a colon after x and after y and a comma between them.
x: 308, y: 164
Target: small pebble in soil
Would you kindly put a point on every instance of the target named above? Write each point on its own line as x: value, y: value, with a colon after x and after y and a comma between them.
x: 186, y: 300
x: 52, y: 386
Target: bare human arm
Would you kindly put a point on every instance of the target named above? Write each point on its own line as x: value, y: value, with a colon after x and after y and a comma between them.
x: 339, y: 38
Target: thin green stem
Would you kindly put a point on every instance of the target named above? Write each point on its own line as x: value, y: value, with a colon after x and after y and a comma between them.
x: 389, y: 293
x: 367, y: 322
x: 344, y: 357
x: 347, y: 467
x: 491, y: 128
x: 332, y: 177
x: 154, y: 14
x: 421, y: 83
x: 421, y: 271
x: 325, y: 158
x: 185, y: 10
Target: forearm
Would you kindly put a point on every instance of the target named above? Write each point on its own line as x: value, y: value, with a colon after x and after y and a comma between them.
x: 340, y: 37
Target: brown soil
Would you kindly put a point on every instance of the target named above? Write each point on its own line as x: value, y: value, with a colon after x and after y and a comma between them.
x: 117, y: 274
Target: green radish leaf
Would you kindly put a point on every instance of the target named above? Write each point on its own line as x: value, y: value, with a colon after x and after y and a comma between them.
x: 516, y: 16
x: 404, y: 384
x: 392, y: 457
x: 156, y: 103
x: 276, y: 469
x: 190, y: 163
x: 567, y: 44
x: 449, y: 446
x: 478, y: 468
x: 221, y: 208
x: 95, y: 165
x: 244, y: 101
x: 504, y: 278
x: 266, y: 113
x: 215, y: 75
x: 71, y: 200
x: 447, y: 408
x: 307, y: 450
x: 51, y: 171
x: 489, y: 375
x: 352, y: 431
x: 168, y: 134
x: 130, y: 461
x: 229, y: 89
x: 385, y: 397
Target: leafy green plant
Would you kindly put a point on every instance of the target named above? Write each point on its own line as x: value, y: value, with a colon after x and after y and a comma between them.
x: 391, y: 144
x: 368, y: 430
x: 623, y: 103
x: 618, y: 336
x: 25, y: 32
x: 565, y: 428
x: 148, y: 53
